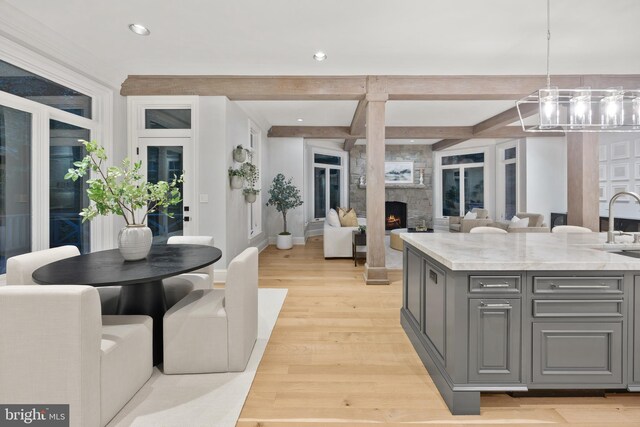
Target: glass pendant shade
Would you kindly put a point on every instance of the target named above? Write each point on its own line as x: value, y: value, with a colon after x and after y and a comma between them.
x: 549, y: 108
x: 580, y: 108
x: 612, y: 108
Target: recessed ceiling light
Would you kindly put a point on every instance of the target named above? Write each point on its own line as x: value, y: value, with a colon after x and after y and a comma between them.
x: 139, y: 29
x: 320, y: 56
x: 413, y: 140
x: 300, y: 120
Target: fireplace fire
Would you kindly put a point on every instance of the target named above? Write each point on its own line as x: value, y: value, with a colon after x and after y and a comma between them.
x: 395, y: 215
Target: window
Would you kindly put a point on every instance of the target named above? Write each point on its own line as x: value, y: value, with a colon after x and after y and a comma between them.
x: 255, y: 209
x: 15, y: 184
x: 19, y: 82
x: 328, y: 182
x: 168, y: 118
x: 506, y: 180
x: 462, y: 183
x: 40, y: 124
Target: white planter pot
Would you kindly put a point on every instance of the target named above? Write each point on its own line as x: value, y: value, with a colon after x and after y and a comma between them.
x: 239, y: 155
x: 250, y: 197
x: 285, y: 241
x: 134, y: 242
x: 236, y: 182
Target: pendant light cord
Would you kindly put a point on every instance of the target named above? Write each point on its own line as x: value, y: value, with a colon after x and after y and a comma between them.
x: 548, y: 42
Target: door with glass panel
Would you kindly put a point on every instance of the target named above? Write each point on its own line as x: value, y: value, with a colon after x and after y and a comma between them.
x: 507, y: 180
x: 163, y: 160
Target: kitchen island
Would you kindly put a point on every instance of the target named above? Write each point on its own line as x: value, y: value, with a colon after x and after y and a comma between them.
x: 518, y: 312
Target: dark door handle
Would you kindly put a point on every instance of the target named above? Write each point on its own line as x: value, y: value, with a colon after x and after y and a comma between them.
x: 186, y: 219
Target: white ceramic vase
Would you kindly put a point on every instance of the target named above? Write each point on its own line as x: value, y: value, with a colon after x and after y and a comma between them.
x: 134, y: 242
x: 239, y: 155
x: 250, y: 197
x: 236, y: 182
x: 285, y: 241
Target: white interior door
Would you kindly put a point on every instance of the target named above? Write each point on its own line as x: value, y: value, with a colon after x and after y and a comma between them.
x: 162, y: 159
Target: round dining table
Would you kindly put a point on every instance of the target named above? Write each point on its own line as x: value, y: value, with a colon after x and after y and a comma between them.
x: 141, y: 281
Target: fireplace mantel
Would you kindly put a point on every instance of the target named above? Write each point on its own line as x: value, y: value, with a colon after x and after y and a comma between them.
x: 392, y: 185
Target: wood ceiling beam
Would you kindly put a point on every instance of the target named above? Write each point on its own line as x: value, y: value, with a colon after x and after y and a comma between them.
x: 238, y: 88
x: 504, y: 119
x: 401, y: 132
x: 509, y: 87
x: 349, y: 143
x: 446, y: 143
x: 359, y: 120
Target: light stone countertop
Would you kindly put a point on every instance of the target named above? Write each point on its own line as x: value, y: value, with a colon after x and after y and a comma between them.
x: 523, y: 251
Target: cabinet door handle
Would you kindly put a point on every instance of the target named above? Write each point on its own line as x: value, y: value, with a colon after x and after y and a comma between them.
x: 502, y: 305
x: 494, y: 285
x: 601, y: 286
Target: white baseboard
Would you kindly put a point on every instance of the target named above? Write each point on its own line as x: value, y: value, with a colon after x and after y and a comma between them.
x: 262, y: 245
x: 313, y: 233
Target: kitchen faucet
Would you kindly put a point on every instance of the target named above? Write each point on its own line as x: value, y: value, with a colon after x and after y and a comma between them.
x: 611, y: 238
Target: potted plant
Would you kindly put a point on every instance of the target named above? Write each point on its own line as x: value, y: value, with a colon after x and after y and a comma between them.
x: 124, y: 191
x: 284, y: 196
x: 251, y: 175
x: 239, y: 154
x: 236, y: 177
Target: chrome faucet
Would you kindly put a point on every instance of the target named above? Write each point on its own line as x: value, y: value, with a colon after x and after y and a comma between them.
x: 611, y: 237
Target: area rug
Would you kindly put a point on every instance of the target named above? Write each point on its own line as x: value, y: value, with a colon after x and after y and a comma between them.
x: 204, y: 399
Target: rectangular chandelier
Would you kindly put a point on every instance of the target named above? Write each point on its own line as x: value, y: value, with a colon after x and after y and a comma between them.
x: 582, y: 110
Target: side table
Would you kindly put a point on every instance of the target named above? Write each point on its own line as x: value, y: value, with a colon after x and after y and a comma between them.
x: 359, y: 246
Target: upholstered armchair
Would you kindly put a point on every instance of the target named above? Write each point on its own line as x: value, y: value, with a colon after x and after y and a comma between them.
x: 57, y: 348
x: 178, y: 287
x: 461, y: 225
x: 536, y: 224
x: 214, y: 330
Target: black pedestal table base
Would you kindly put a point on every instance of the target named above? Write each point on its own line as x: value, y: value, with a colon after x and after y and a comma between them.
x: 146, y: 298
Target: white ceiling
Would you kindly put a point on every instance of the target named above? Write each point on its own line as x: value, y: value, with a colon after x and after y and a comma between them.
x: 279, y: 37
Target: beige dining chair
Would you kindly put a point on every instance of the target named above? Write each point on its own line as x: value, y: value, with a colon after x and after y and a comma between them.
x: 178, y: 287
x: 20, y: 269
x: 570, y: 229
x: 487, y: 230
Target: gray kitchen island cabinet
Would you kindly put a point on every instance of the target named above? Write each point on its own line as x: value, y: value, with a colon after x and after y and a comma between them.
x: 521, y: 312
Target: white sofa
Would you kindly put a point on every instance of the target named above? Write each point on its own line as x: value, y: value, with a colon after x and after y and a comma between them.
x: 55, y: 347
x: 338, y: 240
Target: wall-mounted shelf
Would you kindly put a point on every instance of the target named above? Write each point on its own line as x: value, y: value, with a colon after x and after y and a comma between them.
x: 391, y: 185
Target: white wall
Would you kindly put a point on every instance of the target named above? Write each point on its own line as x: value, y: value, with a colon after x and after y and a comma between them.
x: 544, y: 176
x: 286, y: 156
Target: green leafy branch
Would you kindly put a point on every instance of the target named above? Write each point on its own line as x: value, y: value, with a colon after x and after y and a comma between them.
x: 121, y: 190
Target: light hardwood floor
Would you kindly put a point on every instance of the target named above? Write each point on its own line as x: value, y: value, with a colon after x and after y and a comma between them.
x: 339, y: 357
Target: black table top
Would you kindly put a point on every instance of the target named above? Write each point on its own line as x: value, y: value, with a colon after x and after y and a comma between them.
x: 108, y: 268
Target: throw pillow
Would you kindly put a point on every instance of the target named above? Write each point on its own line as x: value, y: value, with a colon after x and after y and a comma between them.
x: 348, y: 217
x: 333, y: 219
x: 471, y: 215
x: 519, y: 222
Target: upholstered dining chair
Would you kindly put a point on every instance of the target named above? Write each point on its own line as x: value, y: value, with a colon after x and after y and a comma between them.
x: 178, y: 287
x: 21, y: 267
x: 487, y: 230
x: 214, y: 330
x: 570, y: 229
x: 57, y: 348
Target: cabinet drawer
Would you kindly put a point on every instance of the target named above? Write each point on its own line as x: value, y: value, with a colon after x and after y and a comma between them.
x: 577, y: 353
x: 577, y: 308
x: 494, y: 284
x: 577, y: 285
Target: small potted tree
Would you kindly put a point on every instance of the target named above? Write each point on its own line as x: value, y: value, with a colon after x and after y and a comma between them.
x: 284, y: 196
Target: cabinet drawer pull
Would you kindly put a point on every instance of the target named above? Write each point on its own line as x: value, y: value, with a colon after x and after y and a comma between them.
x: 485, y: 305
x: 601, y: 286
x: 494, y: 285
